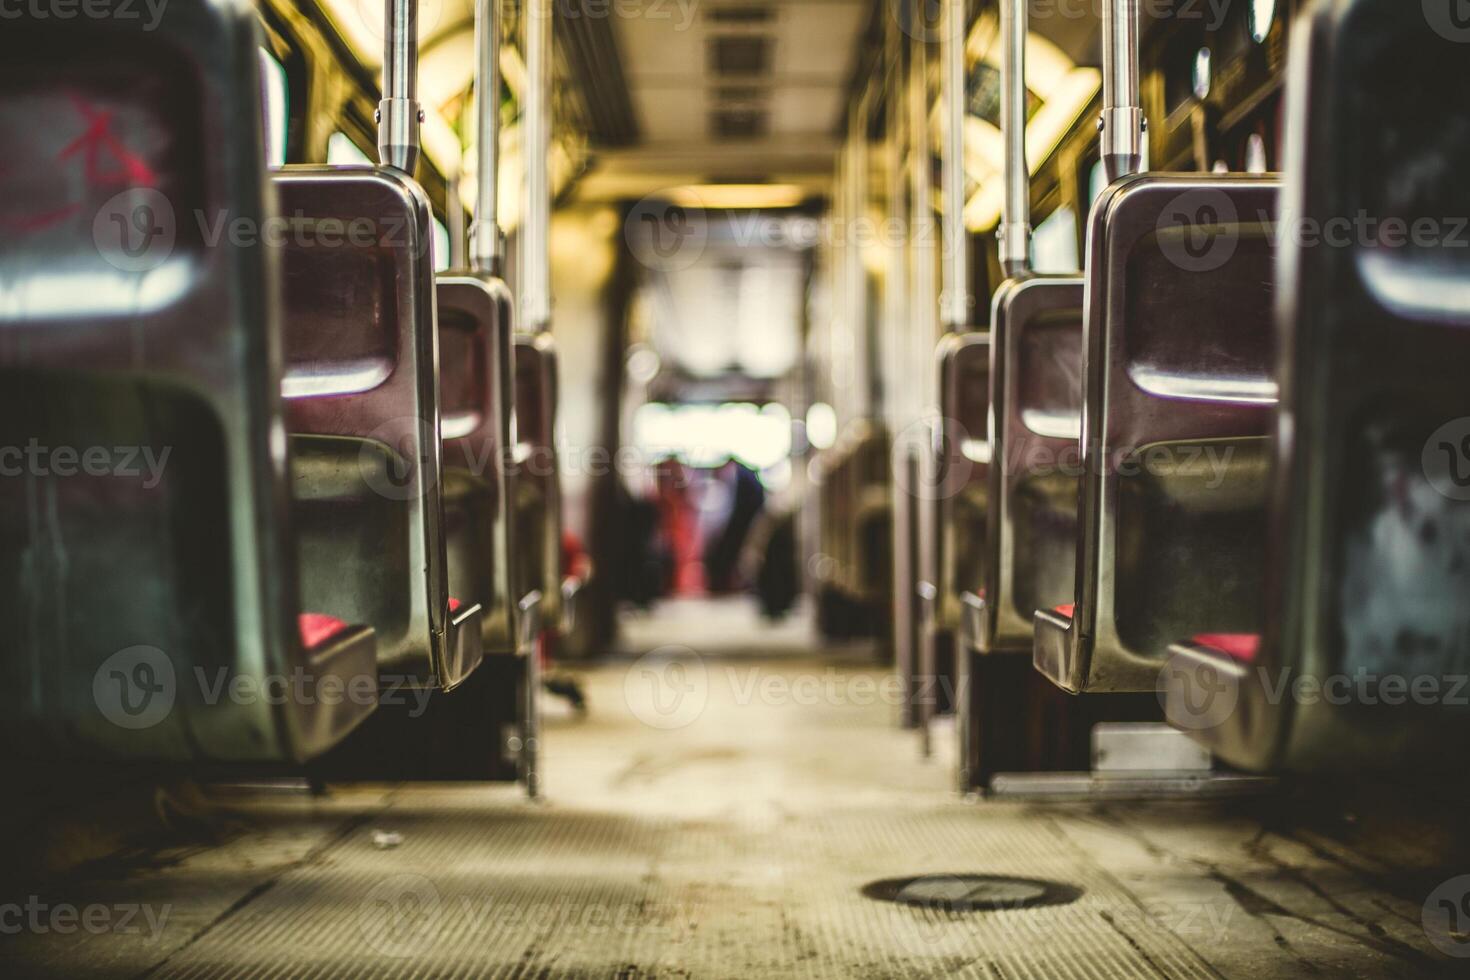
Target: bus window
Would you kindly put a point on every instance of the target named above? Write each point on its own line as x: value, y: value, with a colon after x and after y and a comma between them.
x: 441, y: 246
x: 275, y: 96
x: 342, y: 151
x: 1055, y: 242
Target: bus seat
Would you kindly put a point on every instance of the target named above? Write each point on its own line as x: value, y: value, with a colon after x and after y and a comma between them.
x: 1366, y: 572
x: 1179, y: 394
x: 964, y: 397
x: 536, y: 476
x: 132, y: 595
x: 1035, y: 377
x: 869, y: 528
x: 362, y: 412
x: 475, y: 319
x: 961, y: 508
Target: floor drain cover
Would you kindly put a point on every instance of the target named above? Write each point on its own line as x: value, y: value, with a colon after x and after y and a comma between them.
x: 971, y: 893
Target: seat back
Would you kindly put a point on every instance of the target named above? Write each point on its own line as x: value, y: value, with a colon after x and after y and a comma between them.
x: 1179, y: 398
x: 537, y: 476
x: 869, y: 530
x: 1370, y: 513
x: 961, y: 487
x: 362, y: 408
x: 475, y: 318
x: 146, y: 556
x: 1035, y: 377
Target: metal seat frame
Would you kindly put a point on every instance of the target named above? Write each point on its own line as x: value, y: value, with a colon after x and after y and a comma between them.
x: 1166, y: 394
x: 363, y: 414
x: 476, y: 444
x: 211, y: 603
x: 1364, y: 572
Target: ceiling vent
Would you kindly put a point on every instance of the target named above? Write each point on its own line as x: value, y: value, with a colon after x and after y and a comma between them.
x: 742, y: 14
x: 731, y: 124
x: 740, y: 55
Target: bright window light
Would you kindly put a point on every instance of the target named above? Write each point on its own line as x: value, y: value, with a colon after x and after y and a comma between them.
x: 275, y: 93
x: 441, y: 246
x: 1263, y: 15
x: 1202, y: 76
x: 708, y: 435
x: 1097, y: 182
x: 342, y: 151
x: 1255, y: 154
x: 1054, y: 242
x: 821, y: 425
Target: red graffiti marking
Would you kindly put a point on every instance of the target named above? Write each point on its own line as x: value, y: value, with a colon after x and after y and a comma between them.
x: 39, y: 222
x: 96, y: 140
x: 98, y: 136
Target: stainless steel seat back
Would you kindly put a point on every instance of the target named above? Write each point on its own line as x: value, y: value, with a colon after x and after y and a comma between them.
x: 1178, y: 394
x: 362, y: 398
x: 475, y: 321
x: 1035, y: 378
x: 1366, y: 575
x: 156, y: 569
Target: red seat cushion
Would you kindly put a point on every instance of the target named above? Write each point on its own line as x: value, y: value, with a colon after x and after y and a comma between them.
x: 317, y: 628
x: 1238, y: 646
x: 1068, y: 610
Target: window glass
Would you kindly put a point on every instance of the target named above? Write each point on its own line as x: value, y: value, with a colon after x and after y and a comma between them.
x: 341, y: 151
x: 441, y: 246
x: 1055, y: 242
x: 275, y: 96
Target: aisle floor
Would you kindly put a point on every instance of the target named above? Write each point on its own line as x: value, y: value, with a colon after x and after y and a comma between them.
x: 717, y: 814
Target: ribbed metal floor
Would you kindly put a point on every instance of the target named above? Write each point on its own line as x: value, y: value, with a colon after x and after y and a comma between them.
x: 728, y: 833
x: 483, y: 890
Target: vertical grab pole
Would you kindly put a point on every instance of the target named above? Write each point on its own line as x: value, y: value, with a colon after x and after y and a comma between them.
x: 956, y: 294
x: 454, y: 211
x: 1122, y: 121
x: 1015, y: 228
x: 399, y: 114
x: 485, y: 245
x: 537, y: 135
